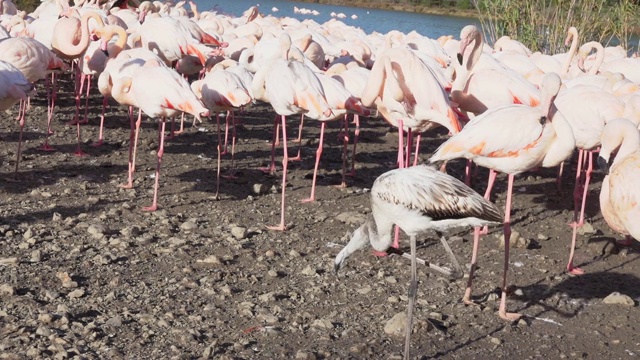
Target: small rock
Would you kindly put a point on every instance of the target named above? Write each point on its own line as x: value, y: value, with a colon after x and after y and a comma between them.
x: 322, y: 323
x: 45, y: 318
x: 75, y: 294
x: 6, y: 289
x: 97, y: 230
x: 586, y: 229
x: 618, y: 299
x: 396, y: 326
x: 115, y: 321
x: 8, y: 261
x: 188, y: 225
x: 364, y: 290
x: 351, y: 217
x: 56, y: 217
x: 43, y: 331
x: 259, y: 189
x: 309, y: 271
x: 493, y: 297
x: 270, y: 253
x: 36, y: 256
x: 543, y: 237
x: 302, y: 355
x: 239, y: 232
x: 391, y: 280
x: 27, y: 234
x: 496, y: 341
x: 209, y: 260
x: 514, y: 241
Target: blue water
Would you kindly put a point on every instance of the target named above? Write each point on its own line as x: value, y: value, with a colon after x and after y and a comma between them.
x: 369, y: 20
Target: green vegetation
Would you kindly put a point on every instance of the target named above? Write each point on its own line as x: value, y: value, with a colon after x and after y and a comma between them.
x: 27, y: 5
x: 542, y: 24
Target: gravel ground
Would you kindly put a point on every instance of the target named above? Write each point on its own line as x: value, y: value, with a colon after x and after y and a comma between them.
x: 84, y: 273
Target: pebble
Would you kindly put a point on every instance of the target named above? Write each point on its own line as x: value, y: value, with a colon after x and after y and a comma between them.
x: 351, y: 217
x: 239, y: 232
x: 586, y: 229
x: 36, y: 256
x: 496, y: 341
x: 396, y: 326
x: 259, y: 189
x: 209, y: 260
x: 115, y: 321
x: 8, y: 261
x: 364, y: 290
x: 514, y: 241
x: 543, y: 237
x: 27, y: 234
x: 6, y: 289
x: 97, y: 230
x: 619, y: 299
x: 75, y: 294
x: 302, y: 355
x: 188, y: 225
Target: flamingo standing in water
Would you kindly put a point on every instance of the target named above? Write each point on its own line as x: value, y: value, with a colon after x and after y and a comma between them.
x: 417, y: 199
x: 620, y: 195
x: 512, y: 139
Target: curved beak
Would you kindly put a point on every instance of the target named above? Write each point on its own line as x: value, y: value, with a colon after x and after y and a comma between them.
x: 603, y: 164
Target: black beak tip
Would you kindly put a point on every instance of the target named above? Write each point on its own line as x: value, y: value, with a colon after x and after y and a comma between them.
x: 336, y: 267
x: 603, y: 164
x: 459, y: 56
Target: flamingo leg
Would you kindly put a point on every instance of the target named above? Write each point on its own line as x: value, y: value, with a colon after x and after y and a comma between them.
x: 86, y: 98
x: 19, y: 152
x: 217, y: 173
x: 409, y: 146
x: 345, y: 145
x: 415, y: 157
x: 233, y: 147
x: 312, y: 197
x: 105, y: 102
x: 135, y: 142
x: 474, y: 263
x: 299, y: 140
x: 272, y: 168
x: 507, y: 237
x: 400, y: 145
x: 587, y: 180
x: 76, y: 121
x: 285, y: 160
x: 559, y: 178
x: 226, y: 133
x: 132, y: 135
x: 413, y: 289
x: 154, y: 205
x: 487, y: 195
x: 356, y: 120
x: 467, y: 173
x: 49, y: 89
x: 577, y: 189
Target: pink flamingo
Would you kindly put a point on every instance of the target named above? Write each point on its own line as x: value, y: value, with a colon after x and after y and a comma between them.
x: 587, y: 109
x: 291, y: 88
x: 14, y: 86
x: 620, y: 195
x: 540, y: 136
x: 159, y: 92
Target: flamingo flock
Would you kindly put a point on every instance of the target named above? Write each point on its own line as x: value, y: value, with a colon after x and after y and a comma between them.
x: 505, y: 107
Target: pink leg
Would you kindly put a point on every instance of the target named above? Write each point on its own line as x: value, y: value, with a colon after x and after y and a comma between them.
x: 86, y: 103
x: 181, y: 125
x: 226, y: 134
x: 345, y: 145
x: 135, y: 142
x: 400, y: 145
x: 487, y: 195
x: 19, y: 152
x: 408, y: 148
x: 105, y: 102
x: 312, y: 197
x: 172, y: 132
x: 299, y: 140
x: 356, y: 120
x: 132, y: 136
x: 272, y: 168
x: 507, y: 237
x: 628, y: 241
x: 467, y: 173
x: 415, y: 157
x: 285, y: 160
x: 559, y: 178
x: 154, y: 205
x: 474, y: 261
x: 233, y: 147
x: 570, y: 268
x: 587, y: 179
x: 49, y: 89
x: 577, y: 190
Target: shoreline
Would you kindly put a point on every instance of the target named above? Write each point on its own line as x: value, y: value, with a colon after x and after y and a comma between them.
x: 422, y: 9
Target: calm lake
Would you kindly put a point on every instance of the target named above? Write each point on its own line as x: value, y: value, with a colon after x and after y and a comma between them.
x: 369, y: 20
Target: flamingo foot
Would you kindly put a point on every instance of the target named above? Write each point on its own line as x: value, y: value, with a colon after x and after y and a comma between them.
x: 98, y: 143
x: 510, y: 316
x: 296, y: 141
x: 626, y: 242
x: 268, y: 170
x: 51, y: 132
x: 280, y: 227
x: 574, y: 270
x: 467, y: 301
x: 46, y: 147
x: 80, y: 153
x: 150, y: 208
x: 128, y: 185
x: 308, y: 200
x: 230, y: 176
x: 379, y: 253
x: 351, y: 173
x: 341, y: 186
x: 224, y: 153
x: 297, y: 158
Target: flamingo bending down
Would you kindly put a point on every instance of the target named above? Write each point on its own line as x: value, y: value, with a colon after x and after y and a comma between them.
x: 417, y: 199
x: 620, y: 195
x: 540, y: 137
